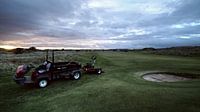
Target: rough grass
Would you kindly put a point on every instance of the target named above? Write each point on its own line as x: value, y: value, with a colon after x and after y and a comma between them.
x: 119, y: 89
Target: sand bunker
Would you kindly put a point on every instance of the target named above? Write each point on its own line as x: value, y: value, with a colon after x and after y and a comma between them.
x: 164, y: 77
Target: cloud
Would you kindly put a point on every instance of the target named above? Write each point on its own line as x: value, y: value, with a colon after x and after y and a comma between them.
x: 183, y: 25
x: 99, y: 24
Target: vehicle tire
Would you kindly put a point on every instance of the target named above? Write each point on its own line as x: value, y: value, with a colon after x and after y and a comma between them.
x: 99, y: 71
x: 76, y: 75
x: 42, y: 83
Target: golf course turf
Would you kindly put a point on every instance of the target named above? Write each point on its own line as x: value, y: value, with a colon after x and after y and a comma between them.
x: 119, y: 89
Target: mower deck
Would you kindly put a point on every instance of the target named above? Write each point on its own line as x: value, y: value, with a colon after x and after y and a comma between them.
x: 24, y: 80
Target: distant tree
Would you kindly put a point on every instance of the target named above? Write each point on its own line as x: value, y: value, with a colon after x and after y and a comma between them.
x: 2, y: 49
x: 32, y: 49
x: 124, y: 50
x: 149, y: 49
x: 18, y: 50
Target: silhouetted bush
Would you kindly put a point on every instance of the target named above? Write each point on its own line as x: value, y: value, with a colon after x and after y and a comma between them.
x: 32, y: 49
x: 149, y: 49
x: 18, y: 51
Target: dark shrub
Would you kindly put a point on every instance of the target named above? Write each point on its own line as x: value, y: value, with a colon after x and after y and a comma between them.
x: 18, y: 50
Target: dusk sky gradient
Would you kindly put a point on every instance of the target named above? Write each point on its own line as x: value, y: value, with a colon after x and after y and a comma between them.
x: 99, y: 24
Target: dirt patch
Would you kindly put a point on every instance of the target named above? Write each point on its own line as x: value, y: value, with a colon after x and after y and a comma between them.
x: 168, y: 77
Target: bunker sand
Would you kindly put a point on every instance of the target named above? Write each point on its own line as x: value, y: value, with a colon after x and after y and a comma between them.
x: 164, y: 78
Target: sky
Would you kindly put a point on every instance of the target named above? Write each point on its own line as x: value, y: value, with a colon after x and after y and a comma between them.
x: 99, y: 24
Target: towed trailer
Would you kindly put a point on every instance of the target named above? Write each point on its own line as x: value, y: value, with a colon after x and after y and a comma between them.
x: 47, y: 71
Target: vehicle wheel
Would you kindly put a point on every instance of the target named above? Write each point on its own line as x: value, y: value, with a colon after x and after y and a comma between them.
x: 99, y: 71
x: 43, y: 83
x: 76, y: 75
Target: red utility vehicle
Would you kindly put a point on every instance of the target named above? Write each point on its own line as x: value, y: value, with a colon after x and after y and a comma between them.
x: 46, y: 72
x: 50, y: 70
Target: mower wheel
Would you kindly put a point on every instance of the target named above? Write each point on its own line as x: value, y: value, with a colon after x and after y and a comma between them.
x: 99, y: 72
x: 43, y: 83
x: 76, y: 75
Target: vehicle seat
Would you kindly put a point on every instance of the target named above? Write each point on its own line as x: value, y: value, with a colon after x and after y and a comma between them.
x: 48, y: 66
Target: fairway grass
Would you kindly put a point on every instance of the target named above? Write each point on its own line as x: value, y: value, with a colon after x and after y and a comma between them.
x: 119, y: 89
